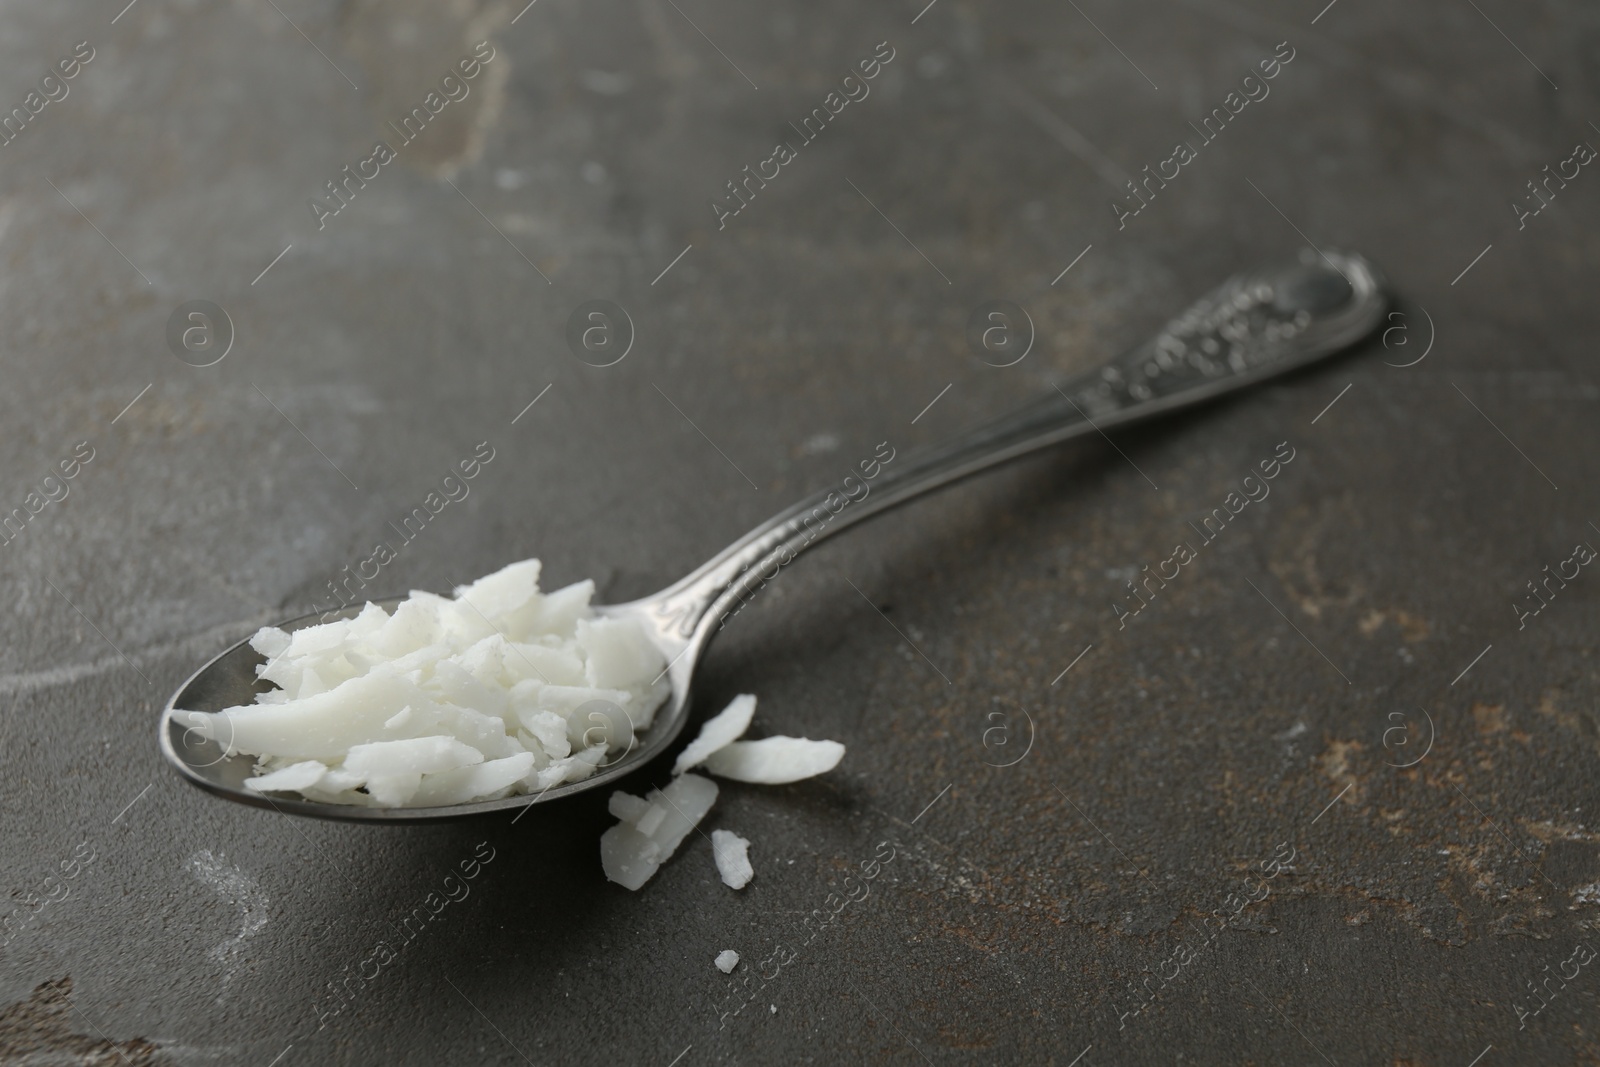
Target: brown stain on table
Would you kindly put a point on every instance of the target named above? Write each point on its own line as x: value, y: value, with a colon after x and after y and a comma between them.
x: 40, y: 1029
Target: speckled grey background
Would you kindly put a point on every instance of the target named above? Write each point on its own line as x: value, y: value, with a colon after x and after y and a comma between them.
x: 1052, y: 911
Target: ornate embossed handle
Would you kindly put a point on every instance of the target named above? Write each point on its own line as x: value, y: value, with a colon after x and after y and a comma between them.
x: 1254, y: 326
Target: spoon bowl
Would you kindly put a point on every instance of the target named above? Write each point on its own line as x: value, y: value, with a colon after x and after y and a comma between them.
x: 1255, y: 326
x: 230, y: 680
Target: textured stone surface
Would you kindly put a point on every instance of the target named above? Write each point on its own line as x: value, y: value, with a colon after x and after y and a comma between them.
x: 1034, y: 910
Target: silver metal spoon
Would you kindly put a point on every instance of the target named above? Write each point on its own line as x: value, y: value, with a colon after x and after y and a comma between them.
x: 1254, y: 326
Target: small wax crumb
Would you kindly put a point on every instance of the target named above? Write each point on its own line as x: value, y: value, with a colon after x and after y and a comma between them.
x: 774, y: 1009
x: 732, y: 854
x: 727, y: 960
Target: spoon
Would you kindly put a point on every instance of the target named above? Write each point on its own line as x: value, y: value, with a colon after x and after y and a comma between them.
x: 1254, y: 326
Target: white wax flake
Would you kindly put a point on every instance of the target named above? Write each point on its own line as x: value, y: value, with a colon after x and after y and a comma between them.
x: 732, y: 854
x: 651, y: 819
x: 294, y: 777
x: 726, y: 727
x: 270, y: 641
x: 727, y: 960
x: 502, y: 690
x: 488, y: 780
x: 394, y: 790
x: 627, y: 807
x: 775, y: 760
x: 414, y: 755
x: 551, y: 731
x: 628, y: 854
x: 770, y: 761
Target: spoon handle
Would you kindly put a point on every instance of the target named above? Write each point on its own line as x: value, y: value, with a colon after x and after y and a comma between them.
x: 1254, y: 326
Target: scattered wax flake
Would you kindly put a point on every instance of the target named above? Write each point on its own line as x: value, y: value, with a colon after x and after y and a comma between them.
x: 775, y: 760
x: 651, y: 819
x: 627, y: 807
x: 732, y: 853
x: 629, y: 855
x: 727, y: 960
x: 726, y: 727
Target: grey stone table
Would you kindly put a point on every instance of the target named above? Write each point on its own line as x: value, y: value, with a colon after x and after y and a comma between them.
x: 1328, y: 797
